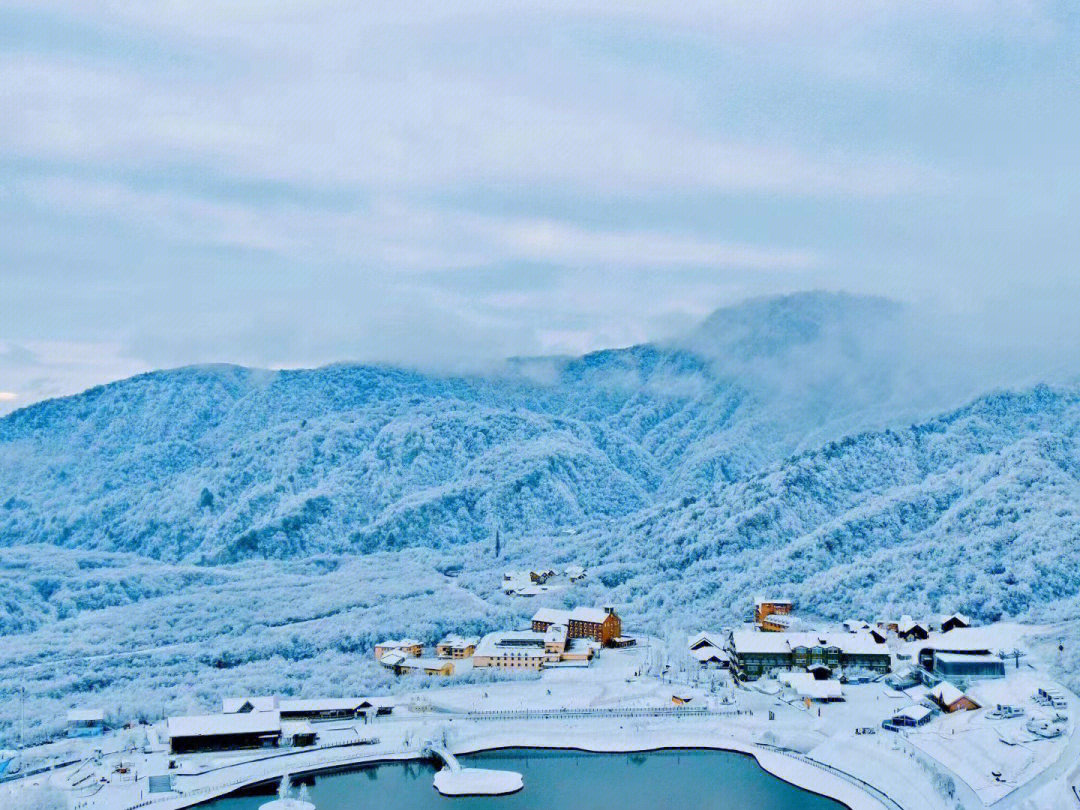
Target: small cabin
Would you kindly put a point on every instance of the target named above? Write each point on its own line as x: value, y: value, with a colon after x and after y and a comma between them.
x: 950, y: 699
x: 912, y: 717
x: 954, y: 621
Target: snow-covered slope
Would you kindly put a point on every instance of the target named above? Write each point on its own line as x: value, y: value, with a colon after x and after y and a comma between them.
x: 768, y: 447
x: 225, y: 463
x: 979, y: 508
x: 785, y: 445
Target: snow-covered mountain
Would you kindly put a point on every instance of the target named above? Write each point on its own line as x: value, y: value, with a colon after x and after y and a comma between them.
x: 178, y: 527
x: 778, y: 430
x: 225, y: 463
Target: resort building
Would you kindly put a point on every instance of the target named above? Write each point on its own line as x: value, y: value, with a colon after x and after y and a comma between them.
x: 456, y: 647
x: 763, y: 608
x: 531, y: 649
x: 960, y: 641
x: 409, y: 647
x: 520, y: 649
x: 779, y: 623
x: 219, y: 732
x: 950, y: 699
x: 602, y: 625
x: 427, y: 666
x: 968, y: 667
x: 756, y: 654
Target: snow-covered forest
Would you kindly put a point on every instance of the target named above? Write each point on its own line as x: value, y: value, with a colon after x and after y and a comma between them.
x: 184, y: 535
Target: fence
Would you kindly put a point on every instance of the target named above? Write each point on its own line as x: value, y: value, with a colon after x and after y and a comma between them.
x: 572, y: 714
x: 873, y: 791
x: 265, y: 774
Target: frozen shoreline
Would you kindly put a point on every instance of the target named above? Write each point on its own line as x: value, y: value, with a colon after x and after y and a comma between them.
x: 790, y: 769
x: 608, y: 738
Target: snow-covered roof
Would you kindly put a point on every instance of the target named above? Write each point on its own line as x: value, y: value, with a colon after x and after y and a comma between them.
x: 963, y: 639
x: 578, y: 614
x: 206, y: 725
x: 856, y: 624
x: 324, y: 704
x: 528, y: 643
x: 258, y: 704
x: 963, y: 618
x: 392, y: 659
x: 806, y: 685
x: 556, y: 633
x: 754, y: 642
x: 399, y: 643
x: 763, y: 601
x: 458, y: 642
x: 588, y: 614
x: 966, y: 658
x: 705, y: 638
x: 424, y: 663
x: 749, y: 641
x: 946, y: 694
x: 707, y: 653
x: 914, y: 712
x: 553, y: 615
x: 86, y: 716
x: 782, y: 620
x: 291, y: 727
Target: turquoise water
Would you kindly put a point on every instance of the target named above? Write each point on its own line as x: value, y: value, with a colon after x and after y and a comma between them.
x: 567, y: 780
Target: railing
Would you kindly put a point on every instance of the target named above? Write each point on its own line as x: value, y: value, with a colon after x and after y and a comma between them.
x: 551, y: 714
x: 873, y: 791
x: 265, y: 775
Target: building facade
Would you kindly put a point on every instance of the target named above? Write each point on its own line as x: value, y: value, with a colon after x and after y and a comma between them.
x: 600, y: 624
x: 764, y: 608
x: 756, y: 654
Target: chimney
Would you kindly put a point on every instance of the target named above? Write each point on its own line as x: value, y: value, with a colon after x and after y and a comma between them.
x: 609, y: 609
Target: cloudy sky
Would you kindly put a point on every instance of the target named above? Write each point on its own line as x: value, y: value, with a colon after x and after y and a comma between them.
x: 282, y: 183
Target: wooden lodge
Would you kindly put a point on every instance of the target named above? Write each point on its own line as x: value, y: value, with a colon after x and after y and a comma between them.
x: 950, y: 699
x: 602, y: 625
x: 954, y: 621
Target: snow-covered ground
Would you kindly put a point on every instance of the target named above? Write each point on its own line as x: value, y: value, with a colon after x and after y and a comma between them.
x: 950, y: 762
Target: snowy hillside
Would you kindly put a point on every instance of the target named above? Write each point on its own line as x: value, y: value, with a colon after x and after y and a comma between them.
x: 248, y: 530
x: 220, y: 464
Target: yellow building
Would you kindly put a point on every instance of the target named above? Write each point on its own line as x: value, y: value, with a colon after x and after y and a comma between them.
x: 428, y: 666
x: 409, y: 647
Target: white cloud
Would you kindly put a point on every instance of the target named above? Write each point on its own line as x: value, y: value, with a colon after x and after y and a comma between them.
x: 39, y: 369
x: 394, y: 235
x: 419, y: 129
